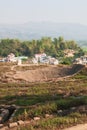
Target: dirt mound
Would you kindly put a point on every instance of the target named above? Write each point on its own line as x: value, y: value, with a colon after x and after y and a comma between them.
x: 41, y: 74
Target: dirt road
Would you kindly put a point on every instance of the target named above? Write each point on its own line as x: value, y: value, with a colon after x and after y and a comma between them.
x: 78, y: 127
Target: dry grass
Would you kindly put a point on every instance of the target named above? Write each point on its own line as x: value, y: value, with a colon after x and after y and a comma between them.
x: 38, y: 99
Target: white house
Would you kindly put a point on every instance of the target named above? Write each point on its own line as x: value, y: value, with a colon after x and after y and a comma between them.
x: 11, y: 58
x: 34, y: 61
x: 69, y: 53
x: 53, y: 61
x: 39, y: 57
x: 19, y: 62
x: 44, y: 59
x: 56, y: 62
x: 81, y: 60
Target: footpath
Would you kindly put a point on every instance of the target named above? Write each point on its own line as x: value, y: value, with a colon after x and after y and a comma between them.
x: 78, y: 127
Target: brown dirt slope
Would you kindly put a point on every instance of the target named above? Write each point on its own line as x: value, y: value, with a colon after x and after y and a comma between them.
x: 41, y: 74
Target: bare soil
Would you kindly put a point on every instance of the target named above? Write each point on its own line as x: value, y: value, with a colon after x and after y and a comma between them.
x: 40, y: 73
x: 78, y: 127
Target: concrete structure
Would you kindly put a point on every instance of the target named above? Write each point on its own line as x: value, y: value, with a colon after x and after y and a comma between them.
x: 19, y: 62
x: 35, y: 61
x: 53, y: 61
x: 82, y: 60
x: 11, y: 58
x: 44, y: 59
x: 39, y: 57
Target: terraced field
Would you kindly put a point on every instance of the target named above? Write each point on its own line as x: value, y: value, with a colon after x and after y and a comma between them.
x: 57, y: 103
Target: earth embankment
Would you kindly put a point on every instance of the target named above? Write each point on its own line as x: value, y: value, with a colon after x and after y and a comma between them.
x: 42, y: 73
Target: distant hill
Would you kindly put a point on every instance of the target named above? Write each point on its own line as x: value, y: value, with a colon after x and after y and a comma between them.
x: 82, y: 44
x: 36, y: 30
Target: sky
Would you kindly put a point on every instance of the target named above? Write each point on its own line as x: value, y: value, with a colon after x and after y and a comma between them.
x: 61, y: 11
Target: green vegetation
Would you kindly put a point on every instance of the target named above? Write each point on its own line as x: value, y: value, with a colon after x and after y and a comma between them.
x: 52, y: 98
x: 46, y: 98
x: 82, y: 74
x: 67, y: 60
x: 55, y: 123
x: 83, y: 45
x: 51, y: 47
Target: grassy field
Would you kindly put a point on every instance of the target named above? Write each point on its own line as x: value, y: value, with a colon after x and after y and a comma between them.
x: 56, y: 99
x: 41, y: 99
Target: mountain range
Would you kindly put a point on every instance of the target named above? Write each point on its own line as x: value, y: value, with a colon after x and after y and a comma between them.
x: 36, y: 30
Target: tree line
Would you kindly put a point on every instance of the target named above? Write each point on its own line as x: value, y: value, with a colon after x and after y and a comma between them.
x: 53, y: 47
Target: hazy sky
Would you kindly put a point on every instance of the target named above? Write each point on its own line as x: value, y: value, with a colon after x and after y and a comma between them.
x: 21, y: 11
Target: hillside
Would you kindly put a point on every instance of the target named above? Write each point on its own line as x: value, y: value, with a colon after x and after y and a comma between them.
x: 40, y: 73
x: 42, y: 97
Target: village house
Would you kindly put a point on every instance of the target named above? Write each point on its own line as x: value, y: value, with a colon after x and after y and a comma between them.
x: 2, y: 59
x: 39, y: 57
x: 69, y: 53
x: 53, y: 61
x: 34, y: 61
x: 11, y: 58
x: 44, y: 59
x: 82, y: 60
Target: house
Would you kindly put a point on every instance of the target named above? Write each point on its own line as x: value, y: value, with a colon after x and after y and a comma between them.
x: 2, y: 59
x: 44, y: 59
x: 69, y: 53
x: 78, y: 61
x: 10, y: 58
x: 82, y: 60
x: 39, y: 57
x: 56, y: 62
x: 34, y: 60
x: 53, y: 61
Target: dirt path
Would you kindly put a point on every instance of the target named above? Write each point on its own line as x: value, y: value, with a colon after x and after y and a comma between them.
x: 78, y: 127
